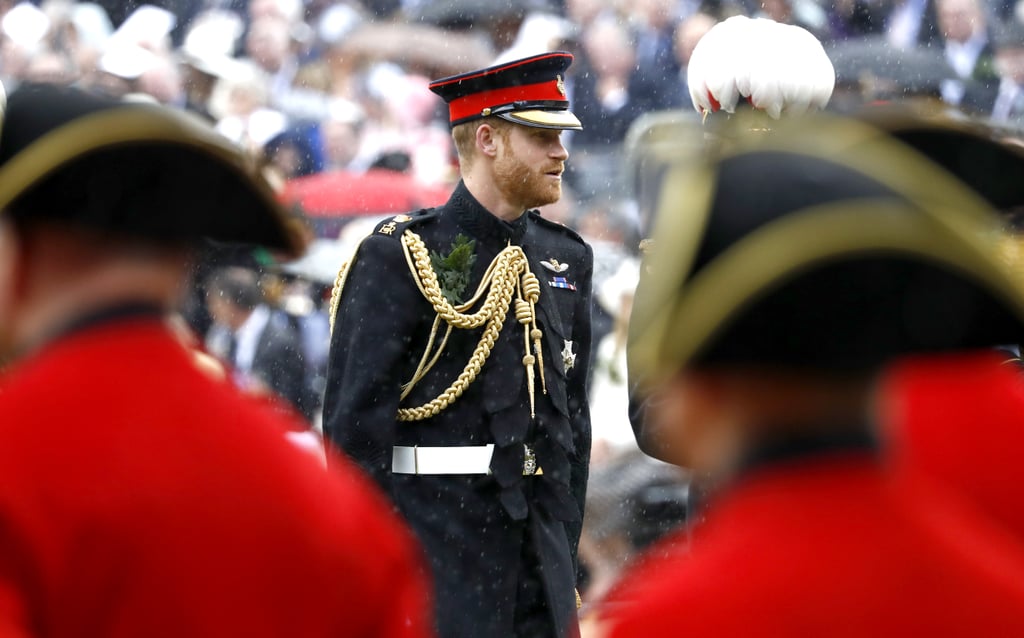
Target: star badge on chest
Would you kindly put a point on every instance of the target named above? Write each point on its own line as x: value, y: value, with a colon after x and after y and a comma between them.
x: 568, y: 356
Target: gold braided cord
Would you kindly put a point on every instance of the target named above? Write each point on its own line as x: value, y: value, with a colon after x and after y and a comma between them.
x: 531, y: 294
x: 339, y: 285
x: 498, y: 276
x: 506, y: 277
x: 424, y: 366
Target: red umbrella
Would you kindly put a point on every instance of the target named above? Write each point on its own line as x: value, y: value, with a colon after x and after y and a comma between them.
x: 348, y: 194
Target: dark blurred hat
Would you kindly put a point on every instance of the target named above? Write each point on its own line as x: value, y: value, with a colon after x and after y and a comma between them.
x: 467, y: 14
x: 881, y: 71
x: 973, y: 152
x: 1008, y: 34
x: 825, y: 246
x: 530, y: 91
x: 986, y: 159
x: 138, y: 169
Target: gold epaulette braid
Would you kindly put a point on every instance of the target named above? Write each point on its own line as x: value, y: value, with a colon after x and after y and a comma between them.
x: 339, y: 285
x: 507, y: 276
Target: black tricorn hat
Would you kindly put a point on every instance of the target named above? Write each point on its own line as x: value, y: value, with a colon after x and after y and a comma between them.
x: 824, y: 246
x: 976, y: 153
x: 132, y: 168
x: 530, y: 91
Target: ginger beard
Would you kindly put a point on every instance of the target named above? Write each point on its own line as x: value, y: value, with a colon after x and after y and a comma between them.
x: 521, y: 183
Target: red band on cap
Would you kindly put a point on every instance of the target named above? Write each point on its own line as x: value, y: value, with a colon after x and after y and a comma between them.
x: 473, y: 105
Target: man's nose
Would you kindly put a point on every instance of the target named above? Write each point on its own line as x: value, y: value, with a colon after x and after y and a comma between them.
x: 558, y: 150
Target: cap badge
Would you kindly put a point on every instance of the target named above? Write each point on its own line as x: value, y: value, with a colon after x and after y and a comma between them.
x: 554, y: 265
x: 560, y: 84
x: 401, y: 219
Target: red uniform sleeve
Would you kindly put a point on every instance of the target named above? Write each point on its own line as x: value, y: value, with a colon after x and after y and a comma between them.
x: 408, y: 615
x: 13, y: 622
x: 925, y: 404
x: 395, y: 597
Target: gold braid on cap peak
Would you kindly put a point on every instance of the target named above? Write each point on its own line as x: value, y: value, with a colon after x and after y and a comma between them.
x: 507, y: 276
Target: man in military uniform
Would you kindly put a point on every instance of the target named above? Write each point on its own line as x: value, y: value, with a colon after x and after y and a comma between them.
x: 459, y: 358
x: 141, y: 494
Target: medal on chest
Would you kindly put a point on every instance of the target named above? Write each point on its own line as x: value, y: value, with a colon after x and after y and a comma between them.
x: 568, y: 356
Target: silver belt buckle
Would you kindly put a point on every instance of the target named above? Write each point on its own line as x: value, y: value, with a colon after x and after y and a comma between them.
x: 529, y: 461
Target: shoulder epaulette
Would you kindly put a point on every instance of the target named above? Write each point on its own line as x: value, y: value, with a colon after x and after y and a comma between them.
x: 395, y: 226
x: 390, y: 227
x: 547, y: 223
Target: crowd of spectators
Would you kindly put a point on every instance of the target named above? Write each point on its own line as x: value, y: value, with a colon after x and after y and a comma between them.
x: 312, y: 85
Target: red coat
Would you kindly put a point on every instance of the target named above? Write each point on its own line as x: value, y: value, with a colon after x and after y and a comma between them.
x: 960, y: 419
x: 827, y: 547
x: 141, y: 497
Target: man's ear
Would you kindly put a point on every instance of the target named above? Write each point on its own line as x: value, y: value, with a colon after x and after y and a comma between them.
x: 15, y: 254
x: 487, y: 140
x: 12, y: 276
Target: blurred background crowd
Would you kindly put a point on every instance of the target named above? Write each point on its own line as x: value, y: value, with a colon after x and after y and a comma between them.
x: 330, y: 98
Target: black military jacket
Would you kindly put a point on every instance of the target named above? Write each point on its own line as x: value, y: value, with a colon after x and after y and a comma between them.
x: 472, y: 527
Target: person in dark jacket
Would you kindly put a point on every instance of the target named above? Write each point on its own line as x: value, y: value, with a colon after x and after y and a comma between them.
x: 459, y: 356
x: 262, y: 348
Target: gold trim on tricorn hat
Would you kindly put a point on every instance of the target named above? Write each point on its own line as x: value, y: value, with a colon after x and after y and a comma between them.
x: 825, y: 245
x: 130, y: 168
x: 973, y: 152
x: 985, y: 158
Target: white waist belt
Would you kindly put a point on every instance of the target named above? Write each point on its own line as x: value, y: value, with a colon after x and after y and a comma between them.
x: 469, y: 459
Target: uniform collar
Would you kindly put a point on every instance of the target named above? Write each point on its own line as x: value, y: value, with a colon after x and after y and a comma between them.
x: 767, y: 457
x: 478, y: 222
x: 110, y: 314
x: 783, y: 449
x: 117, y: 312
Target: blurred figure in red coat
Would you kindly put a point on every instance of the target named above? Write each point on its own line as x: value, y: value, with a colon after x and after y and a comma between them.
x: 141, y: 495
x: 787, y: 270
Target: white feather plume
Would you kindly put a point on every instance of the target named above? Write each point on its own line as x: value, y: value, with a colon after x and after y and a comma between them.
x: 779, y: 68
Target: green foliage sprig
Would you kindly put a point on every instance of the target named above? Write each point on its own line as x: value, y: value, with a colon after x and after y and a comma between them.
x: 455, y: 269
